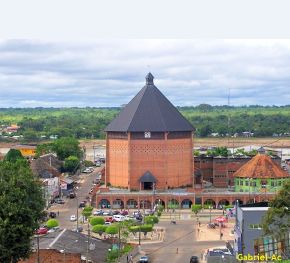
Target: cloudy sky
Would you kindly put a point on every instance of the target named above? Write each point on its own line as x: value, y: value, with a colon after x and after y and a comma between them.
x: 110, y: 72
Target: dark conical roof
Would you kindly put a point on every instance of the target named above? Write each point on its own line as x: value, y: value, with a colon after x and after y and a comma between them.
x: 150, y: 111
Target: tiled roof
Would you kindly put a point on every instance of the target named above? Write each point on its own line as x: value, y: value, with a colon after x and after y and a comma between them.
x: 261, y: 166
x: 46, y: 164
x: 149, y: 111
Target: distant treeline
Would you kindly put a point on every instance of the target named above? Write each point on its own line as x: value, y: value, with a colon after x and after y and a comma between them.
x: 90, y: 122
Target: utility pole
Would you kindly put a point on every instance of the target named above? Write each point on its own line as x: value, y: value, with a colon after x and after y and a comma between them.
x: 119, y: 246
x: 38, y: 255
x: 88, y: 245
x: 77, y: 213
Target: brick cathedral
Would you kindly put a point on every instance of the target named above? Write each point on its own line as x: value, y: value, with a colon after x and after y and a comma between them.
x: 149, y: 144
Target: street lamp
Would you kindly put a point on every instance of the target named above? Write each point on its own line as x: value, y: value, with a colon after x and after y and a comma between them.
x: 210, y: 207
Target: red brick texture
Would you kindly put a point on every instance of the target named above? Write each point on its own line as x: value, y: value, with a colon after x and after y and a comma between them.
x: 169, y: 160
x: 53, y: 256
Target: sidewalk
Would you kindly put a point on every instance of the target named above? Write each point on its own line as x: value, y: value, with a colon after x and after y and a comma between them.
x: 203, y: 233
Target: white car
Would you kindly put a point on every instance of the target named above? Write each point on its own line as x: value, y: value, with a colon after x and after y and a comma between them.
x: 108, y: 223
x: 119, y: 218
x: 73, y: 218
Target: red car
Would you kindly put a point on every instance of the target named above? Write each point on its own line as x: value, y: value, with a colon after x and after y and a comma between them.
x: 41, y: 231
x: 110, y: 219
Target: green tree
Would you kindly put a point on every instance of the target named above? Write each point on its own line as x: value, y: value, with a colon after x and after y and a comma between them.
x: 196, y: 209
x: 276, y: 221
x: 87, y: 211
x: 52, y: 223
x: 100, y: 229
x: 43, y: 148
x: 112, y: 230
x: 97, y: 220
x: 13, y: 155
x: 151, y: 220
x: 65, y: 147
x: 21, y: 208
x: 71, y: 163
x: 146, y: 228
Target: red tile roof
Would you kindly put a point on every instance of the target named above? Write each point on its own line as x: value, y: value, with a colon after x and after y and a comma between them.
x: 261, y: 166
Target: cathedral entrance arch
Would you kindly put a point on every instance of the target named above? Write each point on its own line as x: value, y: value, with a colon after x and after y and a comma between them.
x: 147, y: 181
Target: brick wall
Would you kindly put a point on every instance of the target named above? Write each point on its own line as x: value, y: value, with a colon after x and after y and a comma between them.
x: 170, y: 161
x: 53, y: 256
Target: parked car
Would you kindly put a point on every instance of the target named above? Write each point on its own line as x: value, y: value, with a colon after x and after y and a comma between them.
x: 98, y: 164
x: 82, y: 204
x: 119, y: 218
x: 41, y: 231
x: 53, y: 229
x: 136, y: 213
x: 149, y: 213
x: 73, y: 218
x: 124, y: 213
x: 79, y: 229
x: 116, y: 212
x: 98, y: 213
x: 87, y: 171
x: 110, y: 219
x: 59, y: 201
x: 72, y: 195
x: 52, y: 214
x: 194, y: 259
x: 108, y: 223
x: 144, y: 259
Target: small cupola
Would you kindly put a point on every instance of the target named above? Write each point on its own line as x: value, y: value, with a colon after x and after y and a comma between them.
x: 149, y: 79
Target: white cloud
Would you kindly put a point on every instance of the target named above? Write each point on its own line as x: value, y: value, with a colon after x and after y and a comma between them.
x: 111, y: 72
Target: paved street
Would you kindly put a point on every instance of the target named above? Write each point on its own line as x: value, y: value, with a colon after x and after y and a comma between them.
x: 182, y: 237
x: 71, y: 205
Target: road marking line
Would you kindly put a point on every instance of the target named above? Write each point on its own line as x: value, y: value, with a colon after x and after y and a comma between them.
x: 52, y: 243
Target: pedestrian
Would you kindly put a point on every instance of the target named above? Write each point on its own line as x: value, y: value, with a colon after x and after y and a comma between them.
x: 177, y: 250
x: 57, y: 213
x: 221, y: 235
x: 199, y: 223
x: 127, y: 258
x: 131, y: 258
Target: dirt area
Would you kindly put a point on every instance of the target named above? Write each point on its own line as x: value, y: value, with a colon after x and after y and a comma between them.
x: 236, y: 142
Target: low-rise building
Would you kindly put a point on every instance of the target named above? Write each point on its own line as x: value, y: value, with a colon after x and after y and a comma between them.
x: 261, y: 174
x: 26, y: 150
x: 248, y: 227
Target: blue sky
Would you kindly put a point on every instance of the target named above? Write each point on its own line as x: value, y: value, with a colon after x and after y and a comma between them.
x: 110, y: 72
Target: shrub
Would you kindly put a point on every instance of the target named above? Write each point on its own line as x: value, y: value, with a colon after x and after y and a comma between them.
x: 196, y: 208
x: 88, y: 208
x: 52, y: 223
x: 228, y: 206
x: 88, y: 163
x: 146, y: 228
x: 134, y: 228
x: 100, y: 229
x: 97, y: 220
x: 160, y: 208
x: 159, y: 213
x: 151, y: 220
x: 112, y: 230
